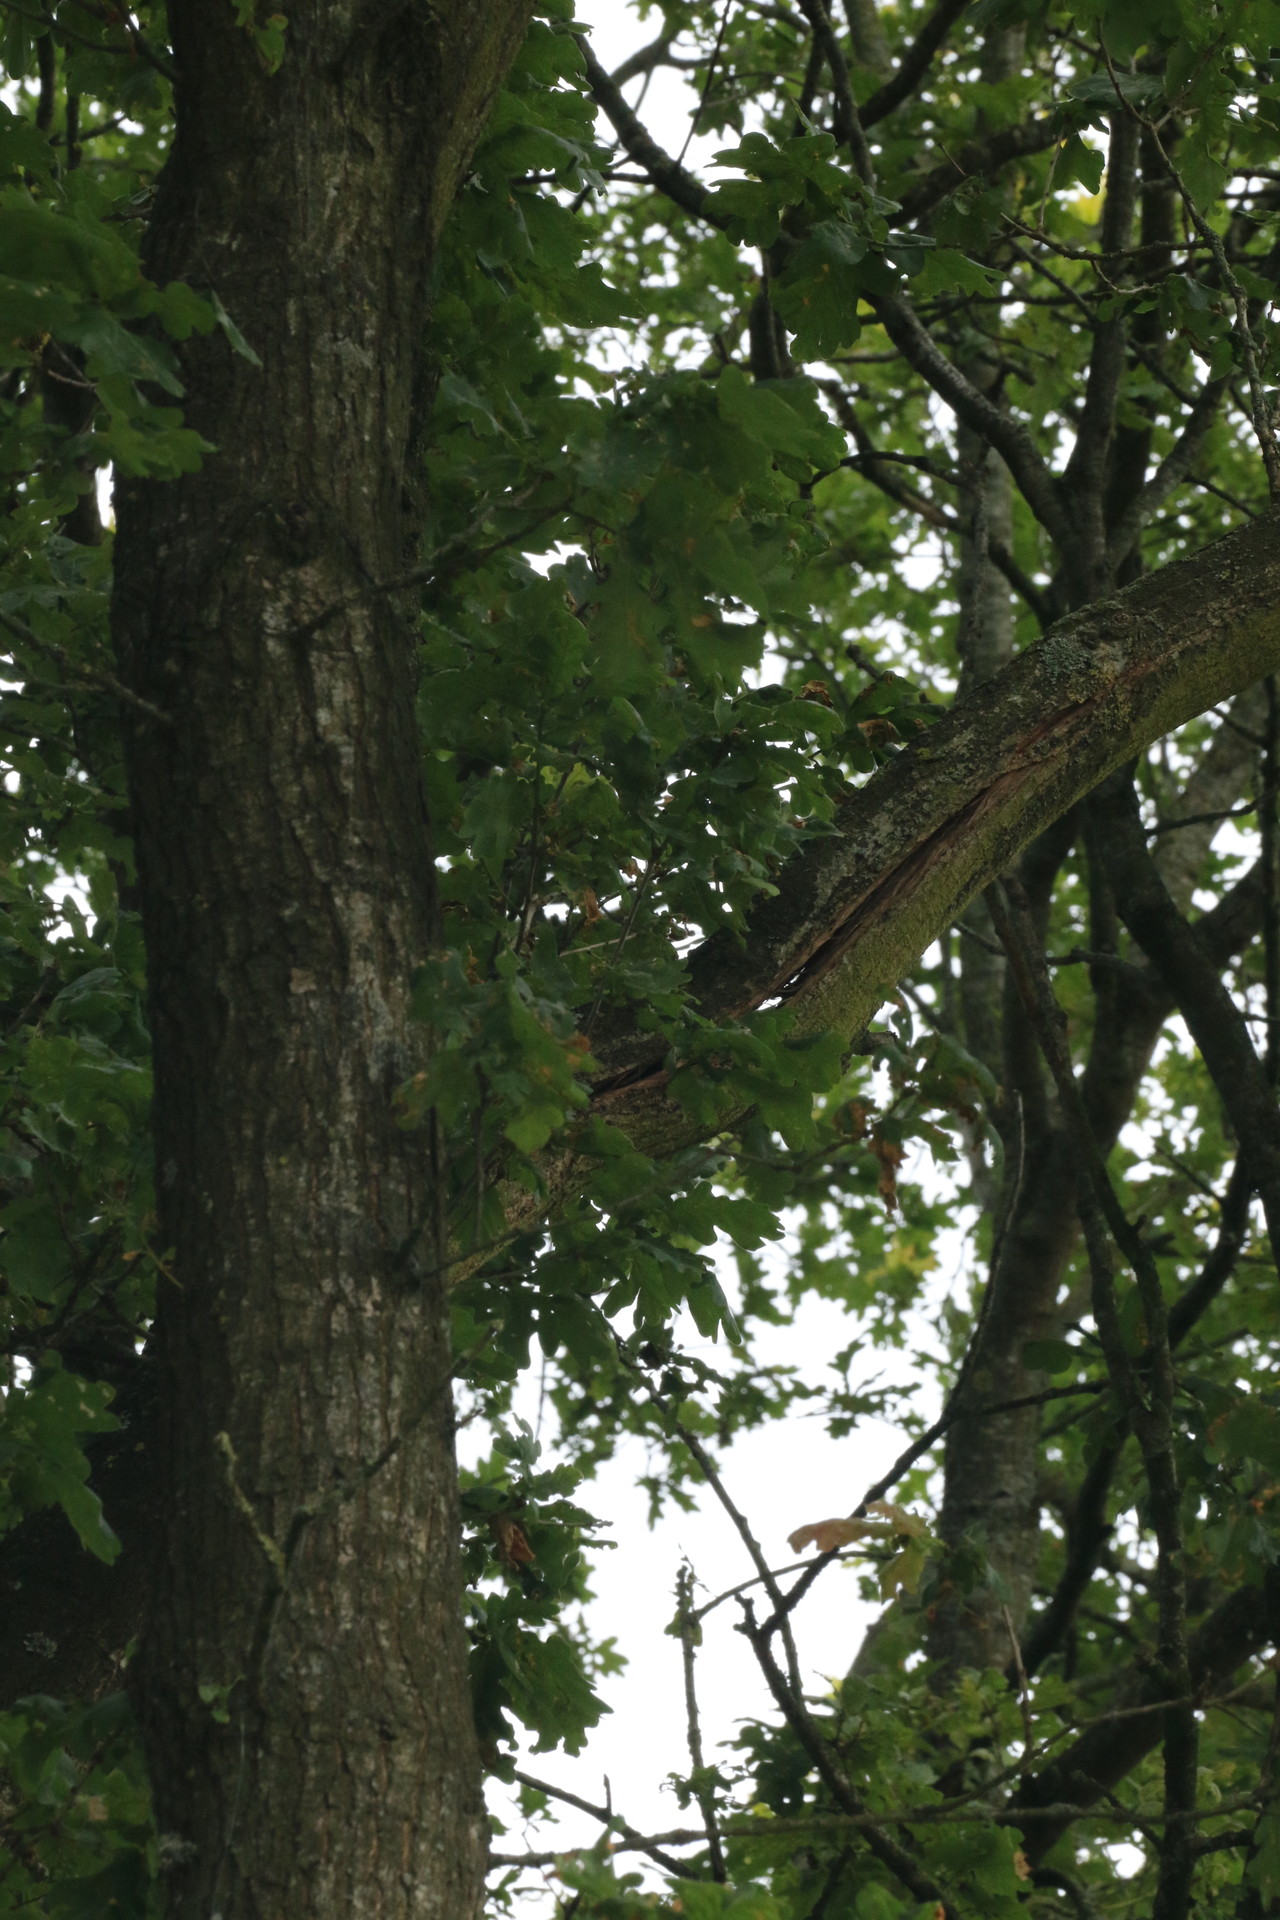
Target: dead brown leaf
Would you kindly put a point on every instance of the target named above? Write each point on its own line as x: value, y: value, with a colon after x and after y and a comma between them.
x: 513, y: 1547
x: 827, y: 1534
x: 889, y: 1156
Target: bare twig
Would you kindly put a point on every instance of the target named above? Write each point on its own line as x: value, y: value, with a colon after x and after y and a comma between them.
x: 705, y: 95
x: 741, y: 1525
x: 630, y: 1839
x: 690, y: 1635
x: 1024, y: 1695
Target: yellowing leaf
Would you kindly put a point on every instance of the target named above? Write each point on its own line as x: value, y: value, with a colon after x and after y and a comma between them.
x: 909, y: 1525
x: 904, y: 1570
x: 826, y: 1535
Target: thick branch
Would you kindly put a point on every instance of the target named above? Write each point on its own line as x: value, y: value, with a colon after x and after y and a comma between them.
x: 1086, y: 469
x: 856, y: 908
x: 975, y: 160
x: 915, y: 62
x: 666, y: 173
x: 1216, y: 1023
x: 1009, y: 436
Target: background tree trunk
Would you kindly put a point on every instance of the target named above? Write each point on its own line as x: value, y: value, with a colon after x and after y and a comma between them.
x: 302, y: 1683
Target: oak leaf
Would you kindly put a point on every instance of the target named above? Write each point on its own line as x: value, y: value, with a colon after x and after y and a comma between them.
x: 826, y: 1535
x: 909, y: 1525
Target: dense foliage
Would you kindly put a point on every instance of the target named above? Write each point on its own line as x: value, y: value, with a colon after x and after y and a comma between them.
x: 704, y: 547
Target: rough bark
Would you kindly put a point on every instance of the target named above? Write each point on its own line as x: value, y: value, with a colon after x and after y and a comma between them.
x: 912, y: 847
x: 306, y: 1474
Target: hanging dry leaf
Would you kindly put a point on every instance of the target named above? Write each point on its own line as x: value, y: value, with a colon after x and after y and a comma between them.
x: 828, y: 1534
x: 889, y: 1156
x: 1021, y: 1865
x: 513, y: 1548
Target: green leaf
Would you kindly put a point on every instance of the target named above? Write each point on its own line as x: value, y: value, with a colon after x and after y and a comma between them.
x: 1076, y: 161
x: 41, y: 1459
x: 1052, y: 1356
x: 781, y: 415
x: 818, y: 291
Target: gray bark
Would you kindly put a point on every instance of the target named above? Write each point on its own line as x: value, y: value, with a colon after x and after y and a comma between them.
x: 284, y: 873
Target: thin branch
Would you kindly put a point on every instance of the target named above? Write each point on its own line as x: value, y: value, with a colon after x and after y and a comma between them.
x: 1024, y: 1695
x: 705, y: 95
x: 1259, y: 410
x: 92, y: 676
x: 890, y: 1852
x: 973, y: 161
x: 870, y: 462
x: 644, y: 60
x: 687, y: 1617
x: 1010, y: 437
x: 454, y: 556
x: 1088, y: 1531
x: 139, y: 47
x: 800, y: 1826
x: 1171, y: 472
x: 846, y: 123
x: 1086, y: 468
x: 630, y: 1838
x: 1202, y: 819
x: 741, y: 1525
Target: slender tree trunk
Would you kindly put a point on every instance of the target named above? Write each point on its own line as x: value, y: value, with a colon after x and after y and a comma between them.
x: 302, y: 1682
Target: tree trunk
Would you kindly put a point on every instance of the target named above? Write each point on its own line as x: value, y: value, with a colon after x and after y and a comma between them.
x: 302, y: 1681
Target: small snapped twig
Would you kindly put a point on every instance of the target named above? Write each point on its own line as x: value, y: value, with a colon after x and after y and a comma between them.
x: 630, y: 1836
x: 690, y: 1635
